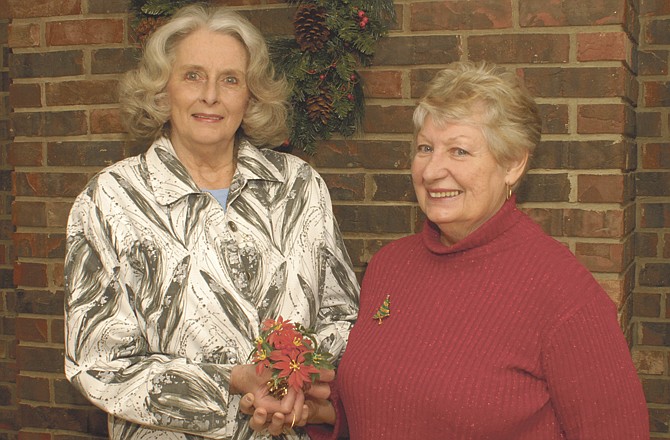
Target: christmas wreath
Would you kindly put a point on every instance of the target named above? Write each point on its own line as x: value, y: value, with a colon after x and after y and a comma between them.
x: 332, y: 38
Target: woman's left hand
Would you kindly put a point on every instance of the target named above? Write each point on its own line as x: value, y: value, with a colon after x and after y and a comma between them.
x: 277, y: 422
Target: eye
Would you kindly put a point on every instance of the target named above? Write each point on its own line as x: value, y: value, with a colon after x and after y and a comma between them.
x: 231, y: 80
x: 423, y: 148
x: 460, y: 152
x: 192, y: 76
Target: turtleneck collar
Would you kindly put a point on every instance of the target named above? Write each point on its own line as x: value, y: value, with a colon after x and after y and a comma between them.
x: 502, y: 220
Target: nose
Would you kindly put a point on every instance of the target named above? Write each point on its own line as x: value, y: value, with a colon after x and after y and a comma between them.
x: 435, y: 167
x: 210, y: 92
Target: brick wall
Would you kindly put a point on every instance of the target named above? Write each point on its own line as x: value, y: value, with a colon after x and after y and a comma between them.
x: 652, y: 294
x: 600, y: 182
x: 7, y: 303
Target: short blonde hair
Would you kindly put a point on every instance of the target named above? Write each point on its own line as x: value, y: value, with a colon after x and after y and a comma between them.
x: 489, y: 96
x: 144, y: 107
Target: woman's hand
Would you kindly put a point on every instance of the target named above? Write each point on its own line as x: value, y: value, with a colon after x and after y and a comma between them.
x: 245, y: 380
x: 315, y: 408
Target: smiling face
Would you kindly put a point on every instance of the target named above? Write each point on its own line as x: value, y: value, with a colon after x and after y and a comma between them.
x: 207, y: 91
x: 458, y: 183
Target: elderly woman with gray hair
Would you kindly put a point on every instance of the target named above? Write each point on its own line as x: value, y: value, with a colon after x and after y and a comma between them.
x: 481, y: 326
x: 176, y: 256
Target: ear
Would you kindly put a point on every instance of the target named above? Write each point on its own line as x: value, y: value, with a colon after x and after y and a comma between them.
x: 515, y: 170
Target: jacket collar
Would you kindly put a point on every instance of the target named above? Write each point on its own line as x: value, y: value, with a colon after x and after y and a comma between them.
x: 171, y: 181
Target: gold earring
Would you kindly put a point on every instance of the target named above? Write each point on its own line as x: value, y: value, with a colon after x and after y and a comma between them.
x: 509, y: 191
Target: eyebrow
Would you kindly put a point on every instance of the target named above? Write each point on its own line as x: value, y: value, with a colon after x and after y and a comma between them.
x: 199, y: 67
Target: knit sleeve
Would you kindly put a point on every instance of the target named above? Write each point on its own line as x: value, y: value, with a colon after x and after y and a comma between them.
x: 592, y: 381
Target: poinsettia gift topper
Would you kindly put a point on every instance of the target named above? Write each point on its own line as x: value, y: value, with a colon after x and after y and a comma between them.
x: 291, y: 351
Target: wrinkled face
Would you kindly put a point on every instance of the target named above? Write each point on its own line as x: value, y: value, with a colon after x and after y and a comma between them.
x: 458, y: 183
x: 207, y: 90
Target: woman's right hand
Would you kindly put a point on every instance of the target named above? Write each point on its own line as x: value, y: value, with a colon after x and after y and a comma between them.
x: 316, y: 408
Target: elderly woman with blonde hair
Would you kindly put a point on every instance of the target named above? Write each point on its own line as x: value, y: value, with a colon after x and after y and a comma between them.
x: 176, y: 256
x: 481, y: 326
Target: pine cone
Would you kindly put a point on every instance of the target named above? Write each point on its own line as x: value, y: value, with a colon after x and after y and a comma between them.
x: 311, y: 32
x: 319, y: 107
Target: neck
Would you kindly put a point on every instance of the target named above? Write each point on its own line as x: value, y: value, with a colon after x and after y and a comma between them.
x: 210, y: 167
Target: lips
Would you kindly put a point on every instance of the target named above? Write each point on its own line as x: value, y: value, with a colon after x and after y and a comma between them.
x: 443, y: 194
x: 207, y: 117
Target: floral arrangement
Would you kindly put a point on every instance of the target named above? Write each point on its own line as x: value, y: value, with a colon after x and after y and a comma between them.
x: 291, y: 351
x: 331, y: 39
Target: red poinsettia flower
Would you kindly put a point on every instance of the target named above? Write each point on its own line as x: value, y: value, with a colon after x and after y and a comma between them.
x: 261, y: 360
x: 292, y: 366
x: 290, y: 351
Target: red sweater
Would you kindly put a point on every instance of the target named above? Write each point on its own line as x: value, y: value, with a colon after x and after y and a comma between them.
x: 504, y: 335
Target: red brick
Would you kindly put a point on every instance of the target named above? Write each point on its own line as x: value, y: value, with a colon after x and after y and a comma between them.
x: 25, y: 154
x: 57, y: 333
x: 656, y: 156
x: 653, y: 183
x: 46, y: 65
x: 39, y: 124
x: 571, y: 13
x: 57, y: 276
x: 39, y: 245
x: 391, y: 155
x: 584, y: 82
x: 100, y: 153
x: 649, y: 123
x: 30, y: 274
x: 4, y: 9
x: 72, y: 32
x: 655, y: 275
x: 604, y: 46
x: 393, y: 187
x: 32, y: 329
x: 106, y: 120
x: 382, y: 83
x: 34, y: 436
x: 43, y: 8
x: 657, y: 32
x: 460, y: 15
x: 39, y: 302
x: 388, y: 119
x: 545, y: 188
x: 525, y: 48
x: 425, y: 49
x: 373, y: 219
x: 344, y: 186
x: 33, y: 388
x: 652, y: 62
x: 48, y: 184
x: 554, y: 118
x: 656, y: 94
x: 602, y: 257
x: 24, y: 35
x: 82, y: 92
x: 31, y: 214
x: 655, y: 215
x: 57, y: 213
x: 651, y: 8
x: 601, y: 188
x: 666, y: 249
x: 67, y: 394
x: 25, y: 95
x: 595, y: 224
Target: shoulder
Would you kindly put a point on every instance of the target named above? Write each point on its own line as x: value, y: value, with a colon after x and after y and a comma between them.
x: 401, y: 249
x: 268, y: 164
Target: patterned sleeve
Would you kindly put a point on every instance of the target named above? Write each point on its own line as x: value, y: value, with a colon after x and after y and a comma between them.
x: 340, y: 292
x: 106, y: 356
